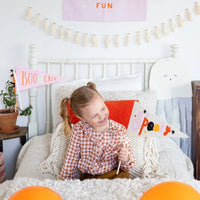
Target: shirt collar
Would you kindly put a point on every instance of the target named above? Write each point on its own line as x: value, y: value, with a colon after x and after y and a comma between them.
x: 114, y: 128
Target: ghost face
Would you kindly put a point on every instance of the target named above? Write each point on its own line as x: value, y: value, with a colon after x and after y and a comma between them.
x: 170, y: 79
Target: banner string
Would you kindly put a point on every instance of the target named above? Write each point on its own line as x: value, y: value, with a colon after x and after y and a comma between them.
x: 126, y: 39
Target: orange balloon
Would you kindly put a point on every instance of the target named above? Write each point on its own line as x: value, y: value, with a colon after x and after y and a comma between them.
x: 35, y: 193
x: 171, y: 190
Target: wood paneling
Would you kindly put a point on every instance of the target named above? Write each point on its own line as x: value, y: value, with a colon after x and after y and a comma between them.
x: 196, y: 128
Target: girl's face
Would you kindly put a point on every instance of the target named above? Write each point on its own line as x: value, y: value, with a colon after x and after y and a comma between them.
x: 96, y: 114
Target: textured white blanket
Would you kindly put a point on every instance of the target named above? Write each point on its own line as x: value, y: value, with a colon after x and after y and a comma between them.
x: 94, y: 189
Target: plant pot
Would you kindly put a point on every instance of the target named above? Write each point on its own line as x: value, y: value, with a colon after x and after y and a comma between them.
x: 8, y: 121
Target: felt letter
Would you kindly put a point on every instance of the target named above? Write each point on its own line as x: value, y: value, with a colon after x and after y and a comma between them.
x: 97, y: 5
x: 109, y: 5
x: 24, y: 79
x: 144, y: 123
x: 156, y: 127
x: 103, y: 5
x: 30, y: 78
x: 138, y: 121
x: 167, y: 130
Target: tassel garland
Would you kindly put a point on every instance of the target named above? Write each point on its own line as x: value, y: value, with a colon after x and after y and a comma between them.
x: 61, y: 32
x: 116, y: 40
x: 37, y: 19
x: 147, y: 35
x: 107, y: 41
x: 128, y: 40
x: 157, y: 32
x: 77, y: 38
x: 94, y: 41
x: 172, y: 25
x: 197, y: 8
x: 164, y: 29
x: 29, y: 13
x: 138, y: 38
x: 45, y: 25
x: 86, y: 38
x: 180, y: 21
x: 188, y: 14
x: 68, y: 35
x: 53, y: 29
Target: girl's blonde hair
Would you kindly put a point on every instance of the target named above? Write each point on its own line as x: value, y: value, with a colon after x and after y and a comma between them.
x: 78, y: 99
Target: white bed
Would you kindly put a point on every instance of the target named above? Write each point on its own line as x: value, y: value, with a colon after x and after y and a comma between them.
x: 39, y: 161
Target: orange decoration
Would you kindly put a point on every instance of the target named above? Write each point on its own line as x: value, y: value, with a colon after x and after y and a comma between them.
x: 171, y: 190
x: 35, y: 193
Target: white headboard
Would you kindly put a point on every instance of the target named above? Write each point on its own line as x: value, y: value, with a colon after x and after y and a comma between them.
x: 73, y: 66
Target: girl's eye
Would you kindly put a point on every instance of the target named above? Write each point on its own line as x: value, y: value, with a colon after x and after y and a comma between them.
x: 165, y: 75
x: 103, y: 109
x: 94, y: 116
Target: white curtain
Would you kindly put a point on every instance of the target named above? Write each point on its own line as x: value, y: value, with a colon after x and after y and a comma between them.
x: 178, y: 113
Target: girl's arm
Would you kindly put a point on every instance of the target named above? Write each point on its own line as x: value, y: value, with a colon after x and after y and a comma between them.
x: 69, y: 168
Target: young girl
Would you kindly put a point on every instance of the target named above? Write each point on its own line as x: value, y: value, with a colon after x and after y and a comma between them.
x: 98, y: 144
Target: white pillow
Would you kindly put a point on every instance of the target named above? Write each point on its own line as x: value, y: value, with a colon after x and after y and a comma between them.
x: 64, y: 89
x: 59, y: 143
x: 58, y: 148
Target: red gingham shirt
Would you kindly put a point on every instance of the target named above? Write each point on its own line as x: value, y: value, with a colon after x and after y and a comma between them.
x: 95, y: 152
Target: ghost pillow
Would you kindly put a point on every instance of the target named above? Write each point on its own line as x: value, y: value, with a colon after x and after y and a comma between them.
x: 144, y: 123
x: 173, y: 78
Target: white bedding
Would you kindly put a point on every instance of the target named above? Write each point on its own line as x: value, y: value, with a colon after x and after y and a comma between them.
x: 31, y: 156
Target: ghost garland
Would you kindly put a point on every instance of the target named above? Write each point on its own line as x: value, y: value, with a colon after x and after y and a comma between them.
x: 93, y: 39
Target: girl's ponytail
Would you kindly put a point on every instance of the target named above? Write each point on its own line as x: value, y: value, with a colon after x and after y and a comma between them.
x: 91, y: 85
x: 64, y: 115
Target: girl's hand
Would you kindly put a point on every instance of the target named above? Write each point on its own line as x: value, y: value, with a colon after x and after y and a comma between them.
x: 123, y: 155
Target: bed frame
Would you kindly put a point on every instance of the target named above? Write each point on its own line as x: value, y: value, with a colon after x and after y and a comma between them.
x: 75, y: 64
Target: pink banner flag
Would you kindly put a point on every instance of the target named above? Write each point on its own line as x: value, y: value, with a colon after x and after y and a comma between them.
x: 104, y: 10
x: 28, y: 78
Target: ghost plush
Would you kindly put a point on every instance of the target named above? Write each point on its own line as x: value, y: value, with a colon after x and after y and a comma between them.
x: 170, y: 79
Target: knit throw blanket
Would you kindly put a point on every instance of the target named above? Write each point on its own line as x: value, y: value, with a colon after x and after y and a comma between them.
x: 96, y: 189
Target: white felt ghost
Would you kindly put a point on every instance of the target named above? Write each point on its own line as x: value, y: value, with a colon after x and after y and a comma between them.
x: 170, y: 79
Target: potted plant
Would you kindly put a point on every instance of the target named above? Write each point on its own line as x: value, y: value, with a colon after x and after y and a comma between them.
x: 8, y: 116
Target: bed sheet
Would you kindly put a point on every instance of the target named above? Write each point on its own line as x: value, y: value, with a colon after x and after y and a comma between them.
x: 173, y: 162
x: 31, y: 156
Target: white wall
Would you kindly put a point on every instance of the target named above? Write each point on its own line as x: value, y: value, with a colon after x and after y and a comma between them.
x: 16, y: 34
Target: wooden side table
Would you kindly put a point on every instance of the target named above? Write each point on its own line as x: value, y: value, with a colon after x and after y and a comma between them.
x: 20, y: 134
